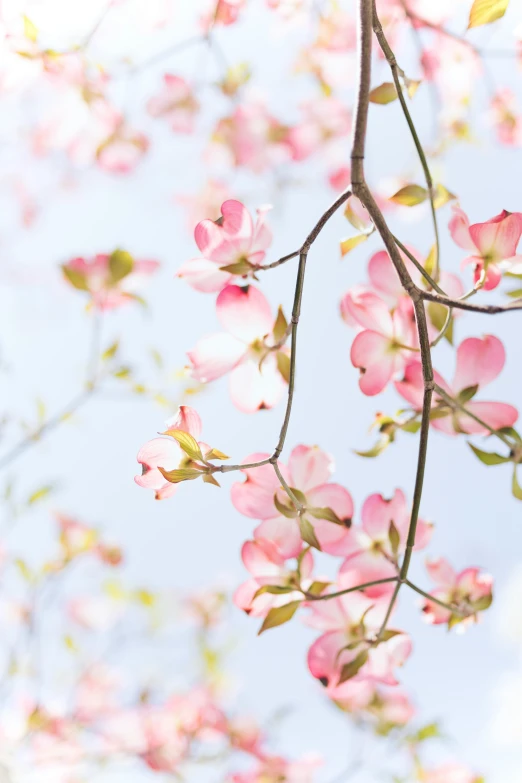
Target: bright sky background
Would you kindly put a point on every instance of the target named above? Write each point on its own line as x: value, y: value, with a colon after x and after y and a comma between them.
x: 194, y: 539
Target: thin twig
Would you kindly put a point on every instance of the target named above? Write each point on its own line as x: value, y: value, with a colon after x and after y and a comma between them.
x: 327, y: 596
x: 449, y: 607
x: 456, y: 405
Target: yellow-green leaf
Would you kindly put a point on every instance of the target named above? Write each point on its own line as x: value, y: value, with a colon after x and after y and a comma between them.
x: 410, y: 195
x: 215, y: 454
x: 515, y: 486
x: 308, y: 533
x: 111, y: 351
x: 486, y: 11
x: 75, y: 278
x: 349, y: 670
x: 187, y: 442
x: 283, y: 365
x: 30, y: 29
x: 279, y: 615
x: 180, y: 474
x: 120, y: 265
x: 442, y: 196
x: 39, y: 494
x: 383, y: 94
x: 349, y: 244
x: 280, y: 326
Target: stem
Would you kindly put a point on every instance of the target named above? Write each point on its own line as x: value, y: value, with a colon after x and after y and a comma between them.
x: 419, y: 266
x: 396, y: 72
x: 244, y: 466
x: 462, y: 304
x: 455, y: 404
x: 449, y: 607
x: 327, y: 596
x: 298, y: 507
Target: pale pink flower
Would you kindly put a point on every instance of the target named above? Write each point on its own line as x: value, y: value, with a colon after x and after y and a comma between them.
x: 225, y: 12
x: 505, y: 118
x: 243, y: 350
x: 309, y: 470
x: 450, y: 773
x: 470, y: 591
x: 204, y: 202
x: 103, y: 278
x: 167, y: 454
x: 324, y: 120
x: 176, y: 103
x: 493, y: 244
x: 274, y: 769
x: 479, y: 361
x: 350, y: 621
x: 230, y: 240
x: 370, y: 551
x: 385, y: 340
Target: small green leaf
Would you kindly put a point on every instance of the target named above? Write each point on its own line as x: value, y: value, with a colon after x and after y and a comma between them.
x: 411, y: 426
x: 180, y: 474
x: 511, y: 431
x: 215, y: 454
x: 430, y: 731
x: 274, y: 590
x: 349, y: 244
x: 349, y: 670
x: 394, y: 538
x: 429, y: 264
x: 316, y: 588
x: 280, y: 326
x: 379, y: 447
x: 279, y: 615
x: 383, y: 94
x: 288, y: 510
x: 328, y: 514
x: 482, y: 603
x: 516, y: 293
x: 437, y: 314
x: 410, y: 195
x: 241, y: 267
x: 283, y: 365
x: 388, y: 634
x: 308, y: 533
x: 30, y: 29
x: 357, y: 222
x: 187, y: 442
x: 467, y: 394
x: 110, y: 352
x: 486, y: 11
x: 489, y: 457
x: 442, y: 196
x: 120, y: 265
x: 75, y: 278
x: 208, y: 478
x: 39, y: 494
x: 515, y: 486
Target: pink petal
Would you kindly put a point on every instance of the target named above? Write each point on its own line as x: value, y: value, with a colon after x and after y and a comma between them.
x: 226, y: 243
x: 368, y: 310
x: 499, y: 236
x: 441, y: 572
x: 283, y: 533
x: 262, y: 238
x: 378, y: 512
x: 386, y: 657
x: 460, y: 229
x: 309, y: 467
x: 255, y: 497
x: 244, y: 312
x: 252, y: 389
x: 372, y: 355
x: 261, y: 559
x: 203, y: 275
x: 479, y: 361
x: 186, y: 419
x: 158, y: 452
x: 214, y: 356
x: 368, y: 566
x: 496, y: 414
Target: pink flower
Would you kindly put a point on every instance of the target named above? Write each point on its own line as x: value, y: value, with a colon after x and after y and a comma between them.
x: 274, y: 769
x: 351, y: 621
x: 308, y: 472
x: 493, y: 244
x: 324, y: 120
x: 243, y: 350
x: 224, y: 12
x: 383, y: 346
x: 232, y: 240
x: 505, y: 117
x: 176, y: 103
x: 479, y: 361
x: 374, y: 548
x: 470, y: 591
x: 266, y: 558
x: 167, y: 454
x: 111, y: 280
x: 204, y: 202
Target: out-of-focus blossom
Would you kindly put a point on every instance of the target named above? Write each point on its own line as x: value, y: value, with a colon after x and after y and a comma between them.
x: 176, y: 103
x: 469, y: 591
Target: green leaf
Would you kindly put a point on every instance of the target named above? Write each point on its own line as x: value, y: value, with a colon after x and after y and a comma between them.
x: 208, y: 478
x: 180, y: 474
x: 486, y: 11
x: 280, y: 326
x: 511, y: 431
x: 388, y: 634
x: 274, y: 590
x: 283, y: 365
x: 328, y: 514
x: 349, y: 244
x: 358, y: 223
x: 75, y: 278
x: 279, y: 615
x: 394, y: 537
x: 515, y: 486
x: 316, y: 588
x: 288, y: 510
x: 437, y: 314
x: 516, y: 293
x: 349, y: 670
x: 410, y: 195
x: 411, y: 426
x: 111, y: 351
x: 308, y: 533
x: 215, y: 454
x: 482, y: 603
x: 430, y: 731
x: 379, y: 447
x: 442, y: 196
x: 120, y: 265
x: 39, y: 494
x: 467, y: 394
x: 241, y: 267
x: 429, y: 264
x: 383, y: 94
x: 489, y: 457
x: 30, y: 29
x: 187, y: 442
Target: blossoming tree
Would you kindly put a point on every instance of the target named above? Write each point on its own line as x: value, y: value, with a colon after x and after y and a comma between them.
x: 87, y: 678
